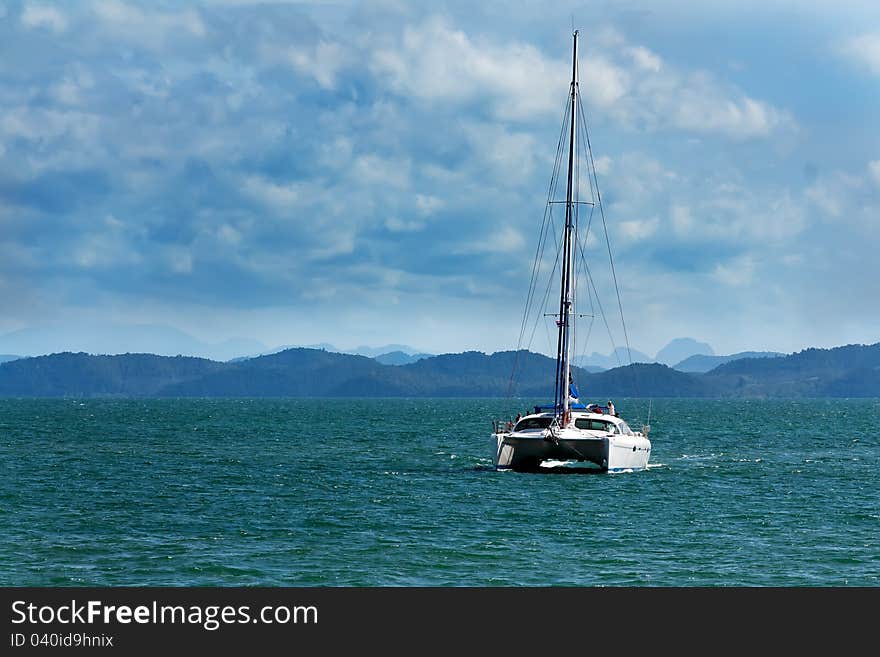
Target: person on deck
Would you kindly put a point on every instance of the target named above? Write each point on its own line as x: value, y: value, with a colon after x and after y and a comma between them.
x: 611, y: 410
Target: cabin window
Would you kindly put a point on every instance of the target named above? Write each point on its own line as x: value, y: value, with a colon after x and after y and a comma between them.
x: 533, y: 423
x: 625, y: 430
x: 593, y: 425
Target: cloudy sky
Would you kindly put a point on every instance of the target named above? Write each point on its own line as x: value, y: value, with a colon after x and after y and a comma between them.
x: 375, y: 172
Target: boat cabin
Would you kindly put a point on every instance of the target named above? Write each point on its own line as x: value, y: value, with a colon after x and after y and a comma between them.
x: 586, y: 421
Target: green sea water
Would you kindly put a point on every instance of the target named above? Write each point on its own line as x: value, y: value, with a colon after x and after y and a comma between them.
x: 402, y: 492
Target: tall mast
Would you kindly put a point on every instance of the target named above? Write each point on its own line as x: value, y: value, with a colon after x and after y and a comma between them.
x: 566, y: 290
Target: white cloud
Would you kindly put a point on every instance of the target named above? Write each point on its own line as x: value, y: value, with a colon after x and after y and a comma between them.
x: 323, y: 62
x: 333, y: 243
x: 736, y: 273
x: 825, y: 198
x: 703, y: 109
x: 874, y: 171
x: 602, y: 82
x: 336, y: 154
x: 109, y: 246
x: 865, y: 50
x: 148, y: 28
x: 229, y: 235
x: 645, y: 59
x: 776, y: 217
x: 639, y: 229
x: 730, y: 214
x: 279, y: 197
x: 682, y: 220
x: 640, y: 90
x: 372, y: 169
x: 396, y: 225
x: 509, y: 156
x: 505, y: 240
x: 38, y: 15
x: 69, y: 91
x: 47, y: 123
x: 637, y: 175
x: 695, y: 102
x: 179, y: 259
x: 427, y: 204
x: 603, y: 165
x: 436, y: 62
x: 834, y: 192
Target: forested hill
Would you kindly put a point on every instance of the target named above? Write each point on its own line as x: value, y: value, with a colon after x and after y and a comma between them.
x: 84, y: 375
x: 850, y: 371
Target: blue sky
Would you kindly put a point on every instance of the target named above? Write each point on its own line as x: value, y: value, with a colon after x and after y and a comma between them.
x: 375, y: 172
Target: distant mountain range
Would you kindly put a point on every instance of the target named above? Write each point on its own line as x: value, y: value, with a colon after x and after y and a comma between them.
x: 597, y: 362
x: 683, y: 354
x: 376, y: 352
x: 850, y: 371
x: 701, y: 363
x: 118, y: 338
x: 390, y: 354
x: 161, y: 340
x: 399, y: 358
x: 681, y: 348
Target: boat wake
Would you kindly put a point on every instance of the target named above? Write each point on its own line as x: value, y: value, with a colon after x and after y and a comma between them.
x: 568, y: 469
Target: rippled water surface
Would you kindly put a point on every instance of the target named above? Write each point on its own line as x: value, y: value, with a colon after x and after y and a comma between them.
x: 401, y: 492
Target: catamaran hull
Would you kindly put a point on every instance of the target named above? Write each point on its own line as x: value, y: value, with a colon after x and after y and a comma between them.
x: 611, y: 454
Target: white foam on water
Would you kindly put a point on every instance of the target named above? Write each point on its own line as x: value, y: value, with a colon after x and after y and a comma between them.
x: 655, y: 465
x: 701, y: 457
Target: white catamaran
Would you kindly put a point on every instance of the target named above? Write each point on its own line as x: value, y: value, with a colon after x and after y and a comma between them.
x: 568, y: 430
